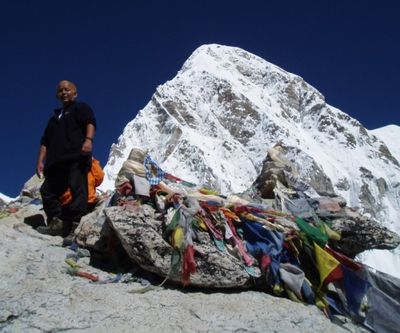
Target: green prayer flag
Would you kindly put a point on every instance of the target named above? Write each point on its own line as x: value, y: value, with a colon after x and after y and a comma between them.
x: 312, y: 233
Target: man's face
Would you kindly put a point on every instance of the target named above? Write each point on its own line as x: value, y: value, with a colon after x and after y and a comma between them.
x: 66, y: 92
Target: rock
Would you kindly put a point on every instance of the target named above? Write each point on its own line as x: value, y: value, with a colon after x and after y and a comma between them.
x: 31, y: 188
x: 141, y: 237
x: 281, y: 164
x: 32, y: 215
x: 93, y: 232
x: 360, y: 234
x: 38, y: 296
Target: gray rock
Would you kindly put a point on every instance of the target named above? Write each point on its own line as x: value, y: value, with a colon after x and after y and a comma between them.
x: 141, y: 236
x: 31, y: 188
x: 360, y: 234
x: 93, y: 232
x: 281, y: 164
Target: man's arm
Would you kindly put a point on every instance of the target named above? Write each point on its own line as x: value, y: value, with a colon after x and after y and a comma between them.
x: 87, y: 146
x: 40, y: 160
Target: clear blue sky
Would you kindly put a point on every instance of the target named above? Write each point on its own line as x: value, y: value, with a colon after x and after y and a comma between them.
x: 118, y: 52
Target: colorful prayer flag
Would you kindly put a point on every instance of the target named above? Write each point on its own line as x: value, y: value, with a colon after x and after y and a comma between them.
x: 329, y: 268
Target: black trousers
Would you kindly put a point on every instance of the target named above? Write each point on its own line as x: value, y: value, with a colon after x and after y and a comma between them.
x: 60, y: 177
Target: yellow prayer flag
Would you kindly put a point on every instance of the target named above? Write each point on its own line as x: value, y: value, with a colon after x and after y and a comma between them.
x: 177, y: 238
x: 326, y: 263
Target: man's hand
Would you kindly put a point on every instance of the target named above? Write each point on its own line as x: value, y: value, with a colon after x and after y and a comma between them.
x: 87, y: 146
x: 39, y: 169
x: 40, y: 161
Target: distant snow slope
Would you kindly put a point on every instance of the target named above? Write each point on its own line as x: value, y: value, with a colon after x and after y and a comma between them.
x: 390, y: 135
x: 213, y: 122
x: 6, y: 198
x: 385, y: 260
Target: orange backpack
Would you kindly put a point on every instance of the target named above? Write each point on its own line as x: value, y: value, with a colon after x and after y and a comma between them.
x: 95, y: 178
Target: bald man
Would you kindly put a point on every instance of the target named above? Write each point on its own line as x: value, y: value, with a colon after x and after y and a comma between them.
x: 64, y: 159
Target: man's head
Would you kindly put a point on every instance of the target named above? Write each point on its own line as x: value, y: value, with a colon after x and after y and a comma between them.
x: 66, y: 92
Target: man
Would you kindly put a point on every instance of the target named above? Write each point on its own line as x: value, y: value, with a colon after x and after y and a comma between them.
x: 64, y: 159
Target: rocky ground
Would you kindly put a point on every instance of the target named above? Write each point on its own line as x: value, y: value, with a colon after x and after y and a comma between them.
x: 37, y: 295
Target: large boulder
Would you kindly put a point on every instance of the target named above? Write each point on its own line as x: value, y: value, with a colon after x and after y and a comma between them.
x: 359, y: 234
x: 141, y: 236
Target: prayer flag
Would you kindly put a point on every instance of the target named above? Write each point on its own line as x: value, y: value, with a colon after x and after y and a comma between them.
x: 329, y: 268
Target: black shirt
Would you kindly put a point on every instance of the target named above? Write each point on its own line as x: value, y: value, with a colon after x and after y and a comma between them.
x: 65, y: 133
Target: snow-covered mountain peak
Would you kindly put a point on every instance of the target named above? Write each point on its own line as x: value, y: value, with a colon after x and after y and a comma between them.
x: 245, y: 73
x: 214, y: 121
x: 232, y: 63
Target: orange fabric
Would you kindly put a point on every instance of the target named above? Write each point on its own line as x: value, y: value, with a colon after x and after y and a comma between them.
x: 95, y: 178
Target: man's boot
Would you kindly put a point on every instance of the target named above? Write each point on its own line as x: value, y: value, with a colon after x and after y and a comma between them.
x: 71, y: 236
x: 54, y: 228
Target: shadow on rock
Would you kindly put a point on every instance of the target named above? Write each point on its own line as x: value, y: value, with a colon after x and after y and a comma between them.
x: 35, y: 221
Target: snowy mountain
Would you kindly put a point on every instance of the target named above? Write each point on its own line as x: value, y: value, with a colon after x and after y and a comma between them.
x: 390, y: 136
x: 5, y: 199
x: 384, y: 260
x: 214, y: 121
